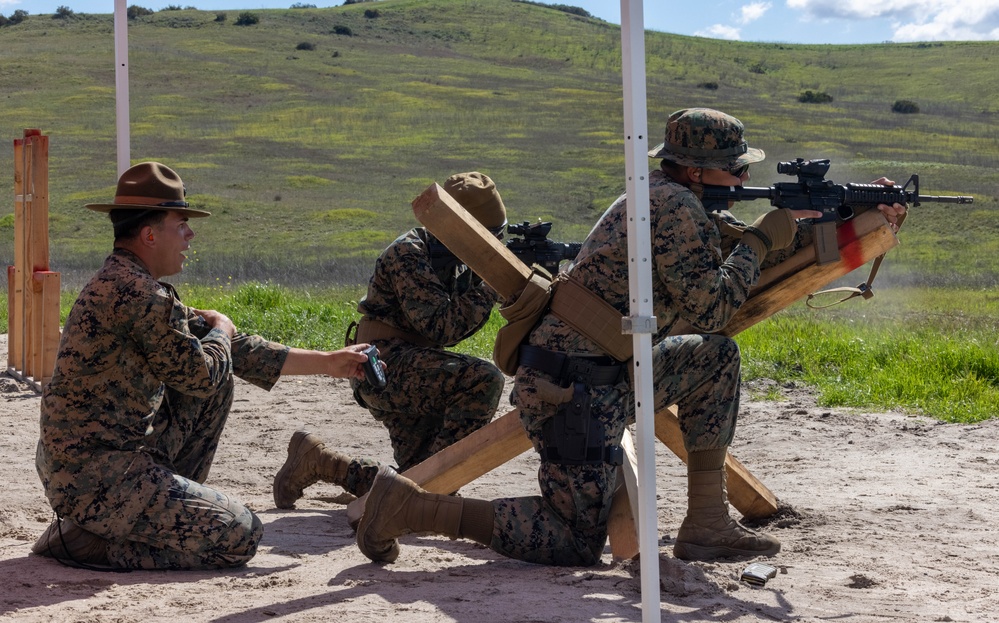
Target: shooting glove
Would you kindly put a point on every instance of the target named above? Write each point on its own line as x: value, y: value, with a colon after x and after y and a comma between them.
x: 773, y: 230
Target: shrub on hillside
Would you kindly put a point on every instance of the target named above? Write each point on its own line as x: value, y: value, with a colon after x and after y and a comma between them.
x: 16, y: 17
x: 905, y: 107
x: 372, y: 13
x: 711, y: 86
x: 135, y: 11
x: 63, y: 12
x: 247, y: 18
x: 220, y: 17
x: 815, y: 97
x: 343, y: 30
x: 300, y: 5
x: 565, y: 8
x: 305, y: 45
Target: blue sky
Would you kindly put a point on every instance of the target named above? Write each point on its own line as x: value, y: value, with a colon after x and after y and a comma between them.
x: 785, y: 21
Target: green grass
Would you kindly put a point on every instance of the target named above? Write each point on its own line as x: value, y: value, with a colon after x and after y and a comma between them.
x: 928, y: 351
x: 920, y: 350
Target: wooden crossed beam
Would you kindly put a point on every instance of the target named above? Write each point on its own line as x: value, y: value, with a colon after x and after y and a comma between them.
x: 860, y: 240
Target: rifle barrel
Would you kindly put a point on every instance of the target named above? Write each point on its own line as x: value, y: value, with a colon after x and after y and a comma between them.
x: 946, y: 199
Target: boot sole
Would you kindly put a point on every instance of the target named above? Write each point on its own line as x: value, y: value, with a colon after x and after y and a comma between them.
x: 689, y: 551
x: 294, y: 449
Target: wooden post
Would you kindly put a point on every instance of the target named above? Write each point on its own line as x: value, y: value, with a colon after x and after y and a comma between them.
x: 32, y: 289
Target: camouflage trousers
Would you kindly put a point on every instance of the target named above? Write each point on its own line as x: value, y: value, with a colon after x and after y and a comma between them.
x: 432, y: 399
x: 567, y: 524
x: 187, y: 525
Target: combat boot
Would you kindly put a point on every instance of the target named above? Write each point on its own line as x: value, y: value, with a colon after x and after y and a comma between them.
x: 396, y: 506
x: 708, y: 532
x: 308, y: 462
x: 69, y: 543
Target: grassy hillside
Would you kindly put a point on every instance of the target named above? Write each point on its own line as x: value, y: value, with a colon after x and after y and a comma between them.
x: 308, y: 133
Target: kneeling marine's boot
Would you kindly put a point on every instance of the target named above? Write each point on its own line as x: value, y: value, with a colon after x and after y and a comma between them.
x: 308, y: 462
x: 396, y: 506
x: 708, y: 532
x: 69, y: 543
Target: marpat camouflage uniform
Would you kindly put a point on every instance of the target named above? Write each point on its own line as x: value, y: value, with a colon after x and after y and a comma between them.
x: 132, y: 417
x: 433, y: 397
x: 693, y: 281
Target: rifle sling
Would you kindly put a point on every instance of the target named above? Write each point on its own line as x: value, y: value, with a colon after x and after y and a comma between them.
x: 865, y: 289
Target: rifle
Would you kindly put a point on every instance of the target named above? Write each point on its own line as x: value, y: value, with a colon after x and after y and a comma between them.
x: 533, y: 247
x: 536, y: 248
x: 813, y: 192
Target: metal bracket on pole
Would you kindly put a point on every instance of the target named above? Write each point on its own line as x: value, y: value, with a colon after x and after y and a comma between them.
x: 631, y: 325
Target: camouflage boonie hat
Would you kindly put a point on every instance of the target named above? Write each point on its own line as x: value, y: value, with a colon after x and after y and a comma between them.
x: 149, y: 186
x: 702, y: 137
x: 477, y: 194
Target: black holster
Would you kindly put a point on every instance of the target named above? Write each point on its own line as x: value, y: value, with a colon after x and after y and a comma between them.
x: 573, y: 436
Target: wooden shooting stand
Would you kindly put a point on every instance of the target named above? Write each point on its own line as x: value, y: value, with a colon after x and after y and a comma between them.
x: 32, y: 289
x: 860, y: 240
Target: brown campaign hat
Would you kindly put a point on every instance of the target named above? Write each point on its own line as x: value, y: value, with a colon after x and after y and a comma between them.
x: 149, y: 186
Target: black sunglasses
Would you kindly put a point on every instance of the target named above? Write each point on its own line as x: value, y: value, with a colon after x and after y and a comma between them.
x: 739, y: 171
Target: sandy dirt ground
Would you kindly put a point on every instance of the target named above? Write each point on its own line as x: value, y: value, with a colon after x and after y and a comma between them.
x: 886, y: 517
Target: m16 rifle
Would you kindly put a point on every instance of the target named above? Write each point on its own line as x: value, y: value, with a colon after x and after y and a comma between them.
x: 813, y: 192
x: 533, y: 247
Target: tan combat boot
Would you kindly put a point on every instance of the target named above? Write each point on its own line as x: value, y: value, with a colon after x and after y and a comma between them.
x: 396, y: 506
x: 308, y: 462
x: 69, y: 543
x: 708, y: 532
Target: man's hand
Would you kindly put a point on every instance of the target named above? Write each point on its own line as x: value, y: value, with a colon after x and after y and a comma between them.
x: 346, y: 363
x: 217, y: 320
x: 890, y: 212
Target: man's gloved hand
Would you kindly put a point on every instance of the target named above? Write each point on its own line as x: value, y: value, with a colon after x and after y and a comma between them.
x: 773, y: 230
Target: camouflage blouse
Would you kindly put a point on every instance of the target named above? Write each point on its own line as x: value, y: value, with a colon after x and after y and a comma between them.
x: 445, y: 305
x: 128, y: 338
x: 692, y: 278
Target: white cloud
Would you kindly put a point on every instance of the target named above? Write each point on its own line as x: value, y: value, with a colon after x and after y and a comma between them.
x: 754, y: 11
x: 914, y: 20
x: 748, y: 13
x: 719, y: 31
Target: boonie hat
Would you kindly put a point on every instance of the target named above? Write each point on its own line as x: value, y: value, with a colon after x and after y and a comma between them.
x: 149, y: 186
x: 703, y: 137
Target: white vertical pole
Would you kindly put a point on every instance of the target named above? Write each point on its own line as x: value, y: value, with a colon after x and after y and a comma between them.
x: 121, y: 84
x: 641, y: 322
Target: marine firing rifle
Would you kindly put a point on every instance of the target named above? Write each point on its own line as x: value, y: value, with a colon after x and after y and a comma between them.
x: 533, y: 247
x: 813, y: 192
